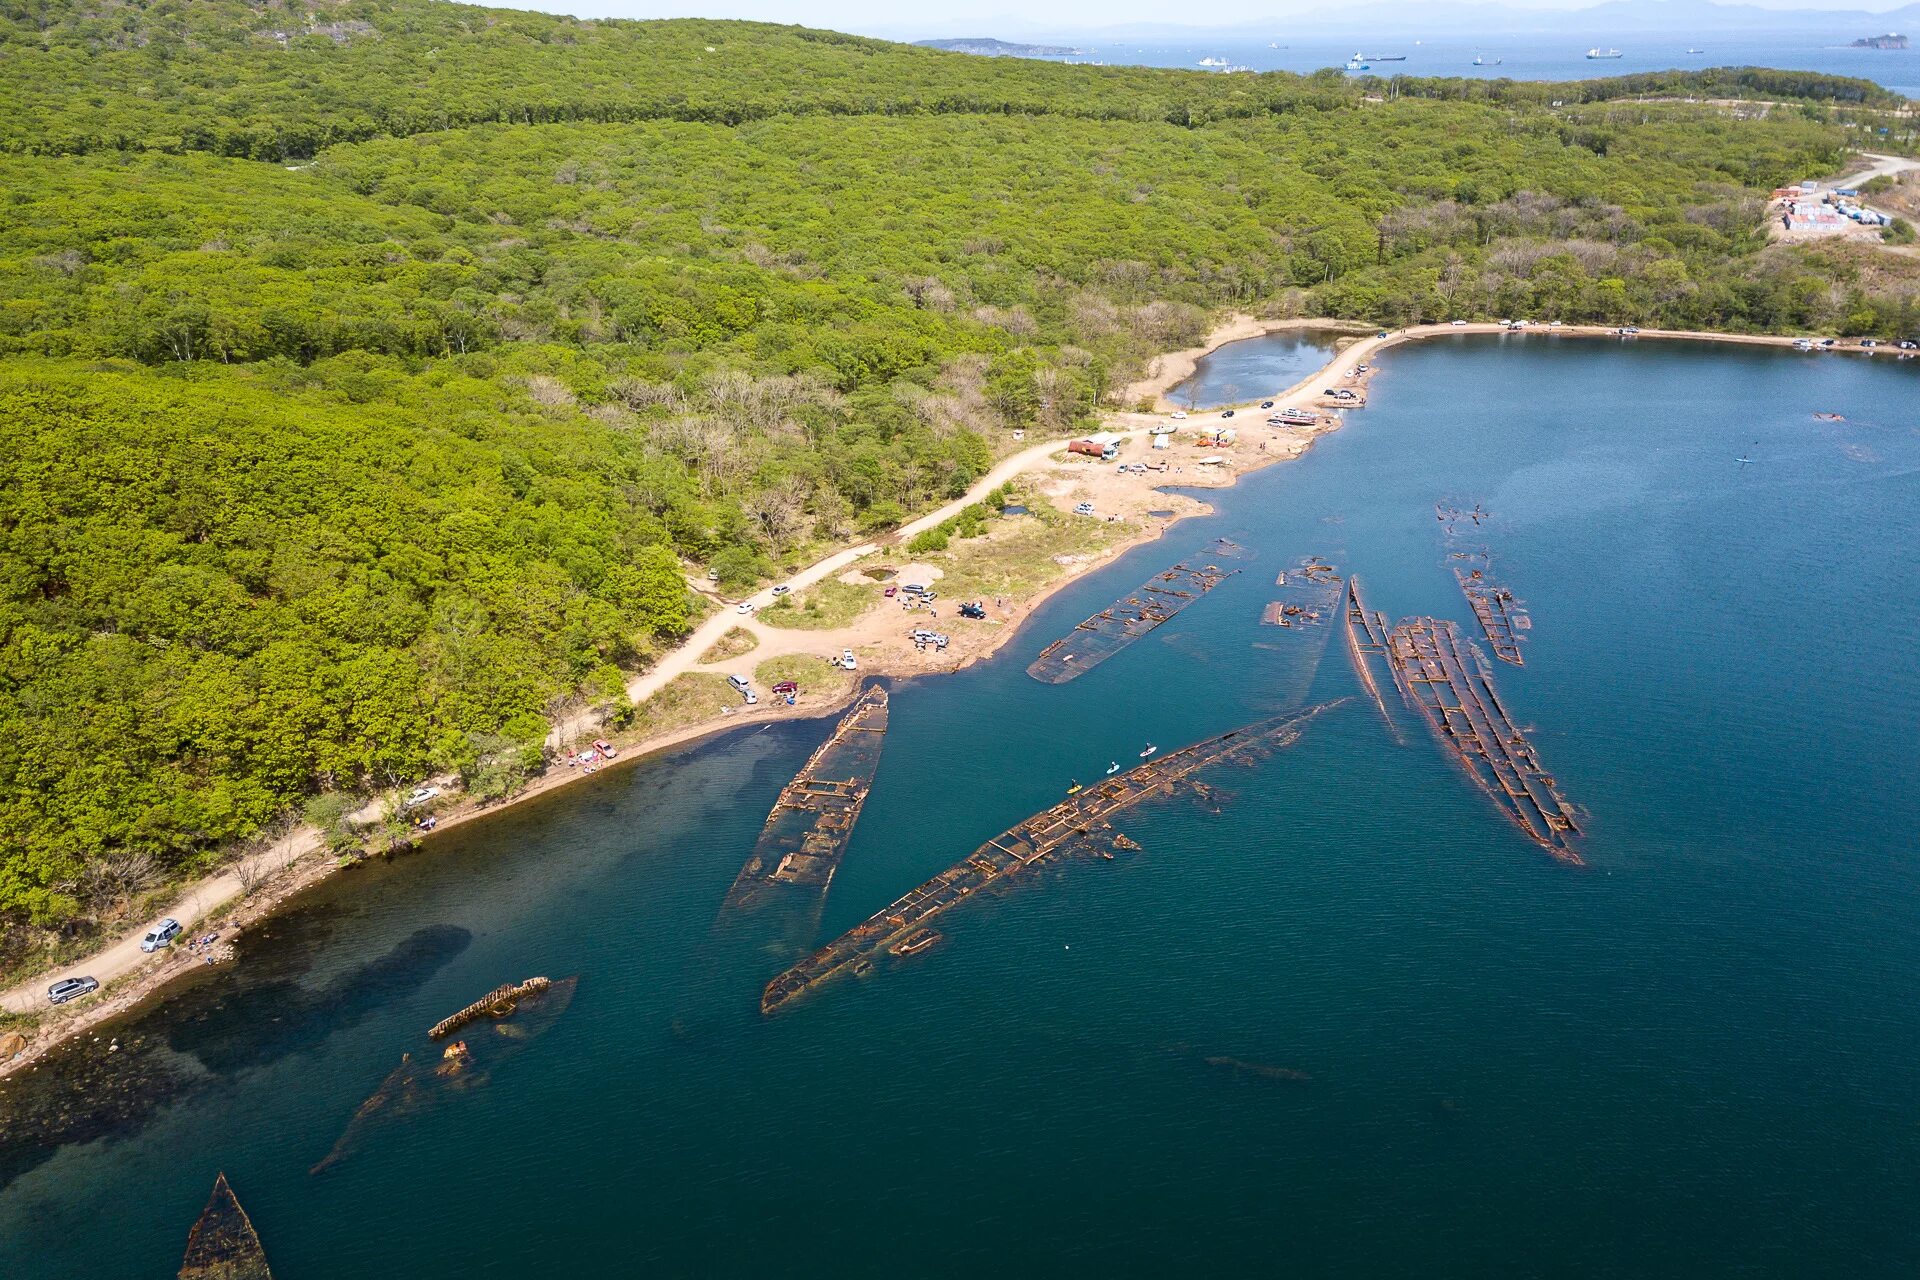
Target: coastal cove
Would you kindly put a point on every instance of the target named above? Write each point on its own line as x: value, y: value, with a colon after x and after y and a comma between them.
x: 1352, y: 989
x: 217, y: 899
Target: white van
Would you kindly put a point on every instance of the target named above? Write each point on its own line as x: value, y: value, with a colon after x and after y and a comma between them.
x: 161, y: 935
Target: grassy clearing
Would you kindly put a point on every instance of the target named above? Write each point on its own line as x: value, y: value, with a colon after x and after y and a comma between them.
x: 689, y: 699
x: 731, y: 645
x: 825, y: 606
x: 1019, y: 554
x: 816, y: 677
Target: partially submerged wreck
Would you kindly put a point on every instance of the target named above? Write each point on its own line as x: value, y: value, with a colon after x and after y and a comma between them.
x: 223, y: 1244
x: 520, y: 1013
x: 1499, y: 614
x: 1106, y: 633
x: 807, y: 832
x: 1077, y: 824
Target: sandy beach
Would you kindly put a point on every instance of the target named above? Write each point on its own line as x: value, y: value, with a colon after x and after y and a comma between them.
x: 878, y: 636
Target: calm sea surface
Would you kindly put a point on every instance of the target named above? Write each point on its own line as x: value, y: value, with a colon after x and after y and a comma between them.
x: 1534, y: 56
x: 1700, y: 1056
x: 1254, y: 368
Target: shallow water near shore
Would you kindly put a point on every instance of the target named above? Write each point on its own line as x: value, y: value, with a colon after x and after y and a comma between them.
x: 1697, y: 1056
x: 1254, y: 368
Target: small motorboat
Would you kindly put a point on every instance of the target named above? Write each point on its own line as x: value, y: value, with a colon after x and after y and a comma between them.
x: 1074, y: 790
x: 1149, y: 751
x: 1113, y: 768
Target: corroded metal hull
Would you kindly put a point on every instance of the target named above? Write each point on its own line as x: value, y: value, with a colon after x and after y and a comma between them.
x: 1118, y: 625
x: 1450, y: 682
x: 223, y: 1244
x: 1073, y: 825
x: 807, y: 831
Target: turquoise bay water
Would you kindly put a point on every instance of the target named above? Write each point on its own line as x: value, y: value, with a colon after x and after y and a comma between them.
x: 1696, y: 1057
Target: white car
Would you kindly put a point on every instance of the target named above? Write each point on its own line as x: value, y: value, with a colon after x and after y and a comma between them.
x: 1458, y: 324
x: 419, y: 796
x: 1179, y: 415
x: 847, y: 660
x: 782, y: 589
x: 745, y: 606
x: 161, y: 935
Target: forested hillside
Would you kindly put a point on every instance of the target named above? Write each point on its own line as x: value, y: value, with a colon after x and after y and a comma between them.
x: 371, y: 373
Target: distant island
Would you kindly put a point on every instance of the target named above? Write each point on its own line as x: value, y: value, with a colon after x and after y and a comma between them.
x: 1888, y: 41
x: 988, y: 47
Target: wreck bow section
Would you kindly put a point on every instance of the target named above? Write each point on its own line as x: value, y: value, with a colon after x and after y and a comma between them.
x: 1061, y: 829
x: 808, y: 829
x: 223, y: 1244
x: 1118, y: 625
x: 1367, y: 647
x: 1451, y: 683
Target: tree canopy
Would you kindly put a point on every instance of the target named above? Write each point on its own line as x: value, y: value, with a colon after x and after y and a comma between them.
x: 371, y: 373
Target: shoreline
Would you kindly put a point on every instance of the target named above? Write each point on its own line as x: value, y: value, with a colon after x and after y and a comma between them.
x: 307, y: 865
x: 1165, y: 372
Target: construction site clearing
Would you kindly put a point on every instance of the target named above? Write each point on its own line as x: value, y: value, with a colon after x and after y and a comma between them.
x: 1125, y: 620
x: 1450, y: 682
x: 1077, y: 825
x: 807, y: 831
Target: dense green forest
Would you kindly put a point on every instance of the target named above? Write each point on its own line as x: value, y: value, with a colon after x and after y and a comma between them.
x: 372, y: 373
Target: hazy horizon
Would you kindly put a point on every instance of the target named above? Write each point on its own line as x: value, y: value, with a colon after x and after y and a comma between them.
x: 994, y: 17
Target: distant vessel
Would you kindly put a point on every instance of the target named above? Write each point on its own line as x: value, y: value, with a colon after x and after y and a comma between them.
x: 1696, y: 51
x: 1479, y: 61
x: 1357, y: 63
x: 1597, y: 52
x: 1386, y: 57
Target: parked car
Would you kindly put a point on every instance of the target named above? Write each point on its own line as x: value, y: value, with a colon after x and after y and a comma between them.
x: 847, y: 660
x: 782, y: 589
x: 740, y: 683
x: 1457, y: 323
x: 1868, y: 343
x: 973, y: 609
x: 605, y: 748
x: 891, y: 592
x: 914, y: 589
x: 71, y: 989
x: 1266, y: 404
x: 745, y: 606
x: 713, y: 575
x: 787, y: 686
x: 1083, y: 508
x: 1905, y: 345
x: 161, y: 935
x: 1361, y: 368
x: 1179, y: 415
x: 1226, y: 413
x: 419, y: 796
